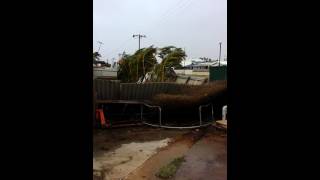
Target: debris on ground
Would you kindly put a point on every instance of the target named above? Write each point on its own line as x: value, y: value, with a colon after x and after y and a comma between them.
x: 193, y: 95
x: 170, y: 169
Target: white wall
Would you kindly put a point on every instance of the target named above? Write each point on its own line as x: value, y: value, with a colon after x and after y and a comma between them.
x: 182, y: 71
x: 191, y: 72
x: 104, y: 72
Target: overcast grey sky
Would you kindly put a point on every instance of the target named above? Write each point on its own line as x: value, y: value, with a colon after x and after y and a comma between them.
x: 196, y: 25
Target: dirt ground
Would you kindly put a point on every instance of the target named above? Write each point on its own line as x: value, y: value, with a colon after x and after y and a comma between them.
x: 118, y: 151
x: 139, y: 152
x: 109, y: 139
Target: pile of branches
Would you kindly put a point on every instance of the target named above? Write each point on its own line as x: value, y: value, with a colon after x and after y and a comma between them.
x: 191, y: 95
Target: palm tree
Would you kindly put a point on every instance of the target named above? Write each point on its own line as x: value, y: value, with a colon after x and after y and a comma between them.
x: 171, y: 57
x: 129, y: 66
x: 148, y: 59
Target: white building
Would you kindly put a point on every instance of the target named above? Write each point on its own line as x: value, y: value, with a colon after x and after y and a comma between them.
x: 105, y: 72
x: 198, y: 67
x: 199, y: 64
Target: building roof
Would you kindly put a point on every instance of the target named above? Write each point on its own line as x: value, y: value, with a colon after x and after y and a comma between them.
x: 200, y: 63
x: 188, y: 62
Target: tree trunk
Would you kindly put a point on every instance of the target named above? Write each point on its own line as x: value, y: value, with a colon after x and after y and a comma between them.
x: 143, y: 66
x: 162, y: 73
x: 138, y: 70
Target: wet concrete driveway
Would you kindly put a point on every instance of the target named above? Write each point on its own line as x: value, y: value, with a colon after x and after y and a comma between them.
x: 206, y: 159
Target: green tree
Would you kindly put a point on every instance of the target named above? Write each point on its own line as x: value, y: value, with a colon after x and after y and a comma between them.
x: 96, y: 56
x: 131, y: 67
x: 170, y: 57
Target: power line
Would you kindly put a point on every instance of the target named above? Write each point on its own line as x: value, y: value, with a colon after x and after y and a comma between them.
x: 164, y: 15
x: 154, y: 41
x: 179, y: 10
x: 220, y: 52
x: 171, y: 11
x: 182, y: 4
x: 119, y: 47
x: 175, y: 10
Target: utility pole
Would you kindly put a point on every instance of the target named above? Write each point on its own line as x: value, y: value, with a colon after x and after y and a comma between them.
x: 113, y: 59
x: 220, y: 53
x: 184, y: 63
x: 139, y: 37
x: 99, y: 45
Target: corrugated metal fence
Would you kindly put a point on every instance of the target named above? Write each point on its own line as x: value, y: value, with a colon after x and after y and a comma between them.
x: 114, y: 90
x: 107, y: 89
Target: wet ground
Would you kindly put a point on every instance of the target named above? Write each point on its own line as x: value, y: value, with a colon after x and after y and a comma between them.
x: 139, y: 152
x: 206, y: 159
x: 110, y: 139
x: 119, y: 151
x: 179, y: 147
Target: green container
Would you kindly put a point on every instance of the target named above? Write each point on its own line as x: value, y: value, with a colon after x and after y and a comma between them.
x: 218, y: 73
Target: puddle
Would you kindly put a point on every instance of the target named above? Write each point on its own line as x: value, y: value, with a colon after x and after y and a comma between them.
x: 119, y: 163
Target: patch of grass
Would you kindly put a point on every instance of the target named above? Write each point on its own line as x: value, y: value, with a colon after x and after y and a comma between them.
x: 170, y: 169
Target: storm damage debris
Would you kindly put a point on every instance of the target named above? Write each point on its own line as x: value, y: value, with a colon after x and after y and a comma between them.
x: 170, y: 169
x: 193, y: 95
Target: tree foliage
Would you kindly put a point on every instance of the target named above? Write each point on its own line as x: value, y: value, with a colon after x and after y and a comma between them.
x: 171, y: 57
x: 96, y: 56
x: 205, y: 59
x: 96, y: 60
x: 132, y: 67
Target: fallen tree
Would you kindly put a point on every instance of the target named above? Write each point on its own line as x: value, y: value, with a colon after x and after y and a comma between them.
x: 183, y: 105
x: 191, y: 96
